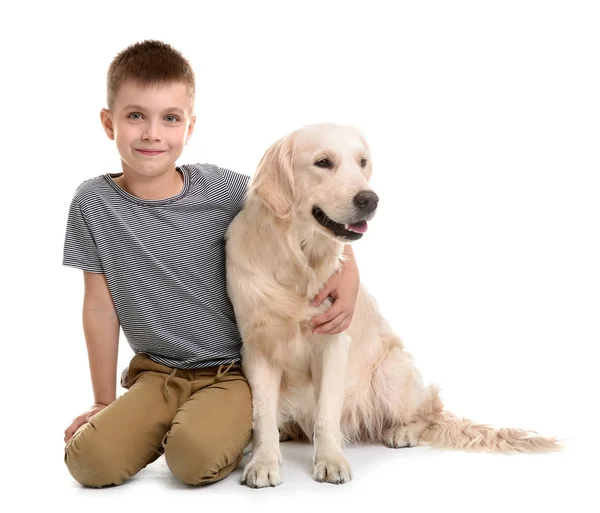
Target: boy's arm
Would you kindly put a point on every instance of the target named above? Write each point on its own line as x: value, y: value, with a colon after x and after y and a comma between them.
x: 343, y: 288
x: 101, y: 330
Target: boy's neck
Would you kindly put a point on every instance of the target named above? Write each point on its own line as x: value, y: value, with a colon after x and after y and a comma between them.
x: 159, y: 187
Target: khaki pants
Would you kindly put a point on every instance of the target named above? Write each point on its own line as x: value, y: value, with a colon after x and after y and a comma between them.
x: 201, y: 419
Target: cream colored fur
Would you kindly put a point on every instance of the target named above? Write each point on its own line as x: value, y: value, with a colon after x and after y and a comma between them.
x: 358, y: 386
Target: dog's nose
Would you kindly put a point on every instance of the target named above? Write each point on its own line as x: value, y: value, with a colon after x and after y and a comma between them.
x: 366, y: 201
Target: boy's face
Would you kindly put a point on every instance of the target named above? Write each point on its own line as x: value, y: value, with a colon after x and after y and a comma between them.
x: 151, y: 124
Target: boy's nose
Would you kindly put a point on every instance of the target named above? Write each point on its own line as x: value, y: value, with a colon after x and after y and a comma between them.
x: 151, y: 132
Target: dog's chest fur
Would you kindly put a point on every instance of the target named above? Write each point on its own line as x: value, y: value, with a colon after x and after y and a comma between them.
x: 296, y: 357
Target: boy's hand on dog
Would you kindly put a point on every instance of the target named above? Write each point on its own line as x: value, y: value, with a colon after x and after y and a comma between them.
x: 82, y: 419
x: 343, y: 288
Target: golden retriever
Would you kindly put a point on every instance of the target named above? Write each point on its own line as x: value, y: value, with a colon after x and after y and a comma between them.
x: 309, y: 196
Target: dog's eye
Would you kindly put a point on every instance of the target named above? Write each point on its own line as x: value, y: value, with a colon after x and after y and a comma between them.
x: 363, y: 162
x: 325, y: 163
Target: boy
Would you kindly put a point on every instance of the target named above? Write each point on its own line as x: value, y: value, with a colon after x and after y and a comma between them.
x: 150, y: 243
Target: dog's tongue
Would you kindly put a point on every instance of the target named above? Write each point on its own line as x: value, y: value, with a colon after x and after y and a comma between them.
x: 358, y: 227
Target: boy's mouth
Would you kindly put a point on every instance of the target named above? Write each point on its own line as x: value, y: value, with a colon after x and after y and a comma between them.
x: 150, y: 152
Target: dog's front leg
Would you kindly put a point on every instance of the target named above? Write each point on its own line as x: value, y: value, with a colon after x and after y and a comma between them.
x: 329, y: 377
x: 264, y: 468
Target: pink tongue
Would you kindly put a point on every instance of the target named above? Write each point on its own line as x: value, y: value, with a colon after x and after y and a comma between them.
x: 358, y: 227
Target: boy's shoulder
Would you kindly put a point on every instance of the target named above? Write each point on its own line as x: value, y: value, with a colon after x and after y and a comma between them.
x: 197, y: 171
x: 90, y: 187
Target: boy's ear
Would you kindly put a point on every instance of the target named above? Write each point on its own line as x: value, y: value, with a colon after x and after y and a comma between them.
x: 190, y: 129
x: 107, y: 124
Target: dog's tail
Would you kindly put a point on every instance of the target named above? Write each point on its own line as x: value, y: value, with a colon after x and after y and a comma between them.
x: 450, y: 431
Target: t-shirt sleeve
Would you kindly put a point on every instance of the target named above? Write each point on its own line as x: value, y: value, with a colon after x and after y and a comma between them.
x: 237, y: 184
x: 80, y: 249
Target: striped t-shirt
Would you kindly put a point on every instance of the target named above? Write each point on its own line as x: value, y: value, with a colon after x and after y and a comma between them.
x: 164, y: 261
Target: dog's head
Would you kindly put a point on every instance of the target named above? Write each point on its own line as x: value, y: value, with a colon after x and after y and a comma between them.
x: 319, y: 174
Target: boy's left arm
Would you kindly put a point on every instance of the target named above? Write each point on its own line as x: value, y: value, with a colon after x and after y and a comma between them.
x: 342, y: 287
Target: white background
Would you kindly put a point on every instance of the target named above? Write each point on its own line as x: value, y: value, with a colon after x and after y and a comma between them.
x: 483, y: 120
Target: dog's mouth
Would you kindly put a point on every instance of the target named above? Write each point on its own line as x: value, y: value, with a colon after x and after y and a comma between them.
x: 352, y: 231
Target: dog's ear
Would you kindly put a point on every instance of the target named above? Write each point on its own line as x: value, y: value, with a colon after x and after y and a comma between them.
x: 273, y: 181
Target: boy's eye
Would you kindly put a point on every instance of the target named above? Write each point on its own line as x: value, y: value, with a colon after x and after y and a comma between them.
x: 134, y: 114
x: 171, y: 119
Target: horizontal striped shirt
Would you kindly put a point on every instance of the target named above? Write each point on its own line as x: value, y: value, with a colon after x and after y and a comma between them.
x: 164, y: 262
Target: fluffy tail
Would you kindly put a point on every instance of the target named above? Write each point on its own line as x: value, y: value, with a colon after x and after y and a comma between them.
x: 449, y: 431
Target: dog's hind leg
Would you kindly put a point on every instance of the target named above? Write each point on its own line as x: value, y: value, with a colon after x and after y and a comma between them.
x: 406, y: 435
x: 399, y: 392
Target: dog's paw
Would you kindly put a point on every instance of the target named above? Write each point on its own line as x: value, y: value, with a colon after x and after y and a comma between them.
x: 262, y: 473
x: 332, y: 470
x: 399, y: 437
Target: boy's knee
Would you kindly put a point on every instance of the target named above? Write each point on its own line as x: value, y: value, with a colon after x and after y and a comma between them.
x: 91, y: 466
x: 195, y: 461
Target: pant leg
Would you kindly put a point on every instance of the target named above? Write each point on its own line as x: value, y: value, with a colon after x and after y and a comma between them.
x: 211, y: 429
x: 126, y: 436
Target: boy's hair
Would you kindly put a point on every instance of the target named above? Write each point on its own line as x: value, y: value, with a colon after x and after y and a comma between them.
x: 149, y: 62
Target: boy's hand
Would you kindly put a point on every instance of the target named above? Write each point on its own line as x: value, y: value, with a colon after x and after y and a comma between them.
x: 82, y: 419
x: 343, y: 288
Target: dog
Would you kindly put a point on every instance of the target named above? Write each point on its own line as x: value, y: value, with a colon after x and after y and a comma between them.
x: 308, y: 198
